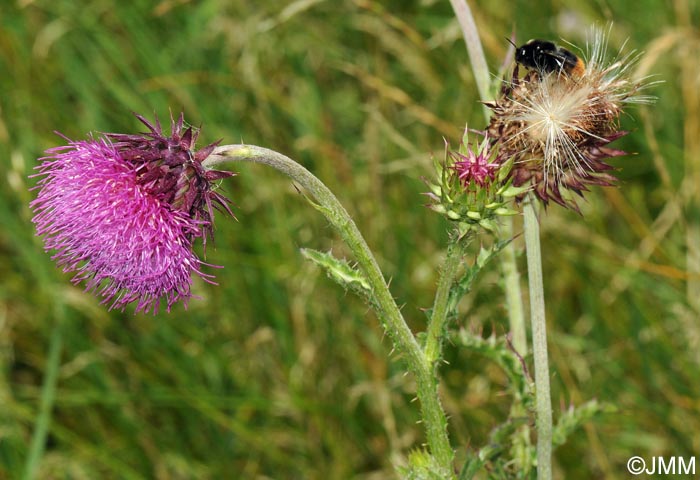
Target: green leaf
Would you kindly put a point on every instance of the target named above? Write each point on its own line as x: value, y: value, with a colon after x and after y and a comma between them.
x: 422, y: 466
x: 341, y: 271
x: 470, y: 468
x: 498, y: 350
x: 577, y: 416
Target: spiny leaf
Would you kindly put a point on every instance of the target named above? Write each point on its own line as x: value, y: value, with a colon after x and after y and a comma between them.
x: 498, y: 350
x: 341, y: 271
x: 574, y: 417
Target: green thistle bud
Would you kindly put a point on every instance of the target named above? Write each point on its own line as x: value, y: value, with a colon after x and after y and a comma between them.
x: 473, y: 186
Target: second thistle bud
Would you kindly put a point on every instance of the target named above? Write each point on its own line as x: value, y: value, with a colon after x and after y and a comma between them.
x: 472, y: 187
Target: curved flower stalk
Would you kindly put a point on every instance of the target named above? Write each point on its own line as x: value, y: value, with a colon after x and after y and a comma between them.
x: 122, y: 212
x: 418, y: 359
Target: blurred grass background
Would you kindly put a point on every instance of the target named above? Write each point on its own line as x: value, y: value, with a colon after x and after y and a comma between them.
x: 278, y: 373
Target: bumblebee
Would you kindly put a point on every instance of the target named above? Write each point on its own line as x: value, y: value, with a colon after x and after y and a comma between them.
x: 547, y: 57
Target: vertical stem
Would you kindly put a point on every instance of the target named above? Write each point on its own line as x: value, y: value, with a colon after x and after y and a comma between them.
x: 539, y: 341
x: 433, y: 414
x: 438, y: 318
x: 46, y: 402
x: 511, y: 287
x: 476, y: 51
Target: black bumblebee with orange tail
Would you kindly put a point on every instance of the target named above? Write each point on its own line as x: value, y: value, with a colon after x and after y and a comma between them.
x: 547, y: 57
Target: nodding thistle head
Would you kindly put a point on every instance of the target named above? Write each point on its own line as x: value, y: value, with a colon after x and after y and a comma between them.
x: 472, y: 189
x: 122, y: 212
x: 556, y: 124
x: 170, y: 169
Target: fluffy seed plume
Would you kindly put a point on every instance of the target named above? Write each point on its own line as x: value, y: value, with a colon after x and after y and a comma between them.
x: 557, y: 127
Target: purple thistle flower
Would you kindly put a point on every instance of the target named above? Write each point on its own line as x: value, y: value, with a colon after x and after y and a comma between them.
x: 122, y: 211
x: 475, y: 166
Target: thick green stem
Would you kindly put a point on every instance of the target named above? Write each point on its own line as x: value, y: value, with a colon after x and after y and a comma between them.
x: 438, y: 319
x: 46, y: 401
x: 539, y: 340
x: 427, y: 388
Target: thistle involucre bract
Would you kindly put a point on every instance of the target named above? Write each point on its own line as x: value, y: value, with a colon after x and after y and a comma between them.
x: 557, y: 127
x: 122, y: 212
